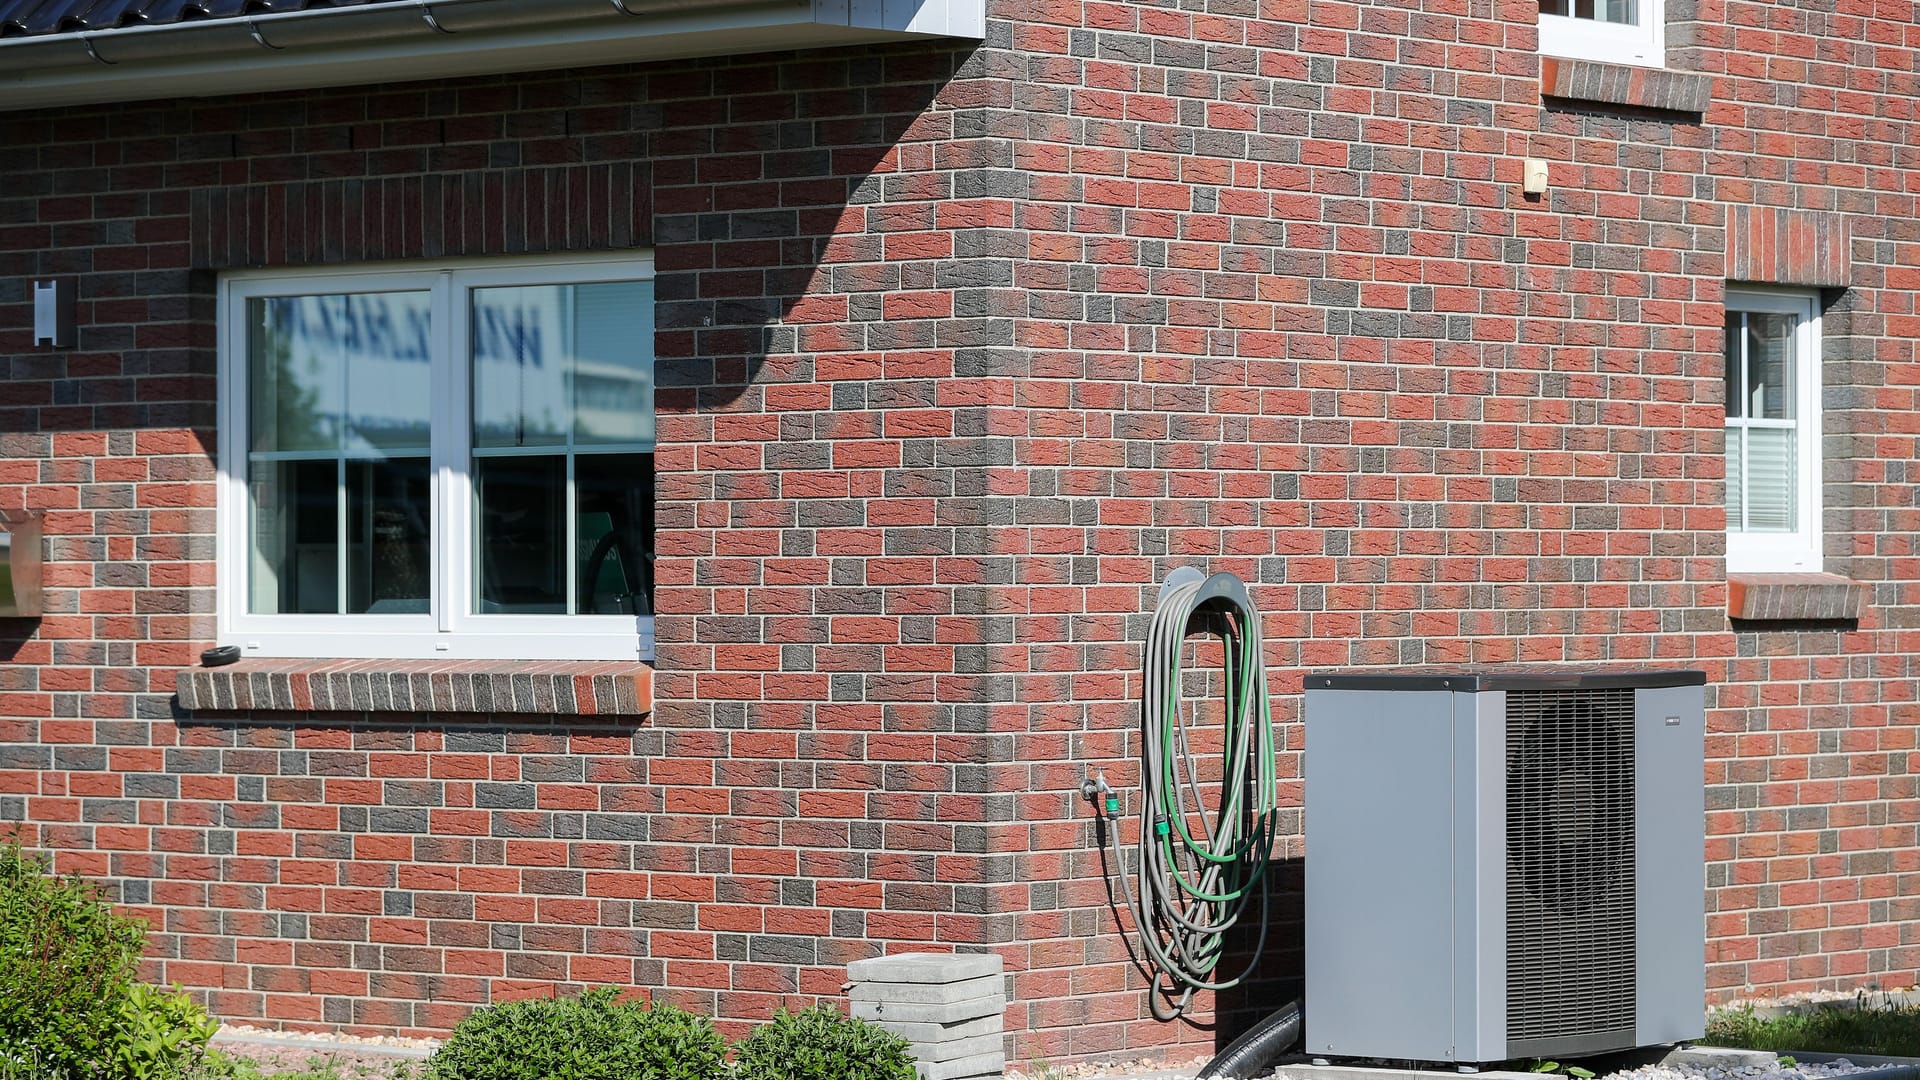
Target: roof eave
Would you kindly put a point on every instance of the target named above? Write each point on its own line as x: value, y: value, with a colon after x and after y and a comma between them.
x: 432, y: 39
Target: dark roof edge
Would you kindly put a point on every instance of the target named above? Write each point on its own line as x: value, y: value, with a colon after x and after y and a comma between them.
x: 274, y: 32
x: 432, y: 39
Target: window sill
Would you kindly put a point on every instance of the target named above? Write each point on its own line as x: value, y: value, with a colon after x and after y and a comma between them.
x: 549, y: 687
x: 1795, y: 597
x: 1625, y: 84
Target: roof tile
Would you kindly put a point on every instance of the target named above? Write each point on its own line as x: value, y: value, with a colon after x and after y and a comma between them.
x: 30, y: 18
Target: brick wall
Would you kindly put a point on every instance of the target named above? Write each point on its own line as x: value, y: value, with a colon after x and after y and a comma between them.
x: 801, y: 796
x: 962, y: 349
x: 1292, y: 316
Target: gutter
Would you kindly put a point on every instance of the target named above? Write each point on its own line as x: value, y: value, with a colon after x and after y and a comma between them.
x: 424, y: 39
x: 323, y: 26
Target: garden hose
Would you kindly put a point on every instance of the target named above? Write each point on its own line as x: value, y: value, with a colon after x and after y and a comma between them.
x: 1199, y: 869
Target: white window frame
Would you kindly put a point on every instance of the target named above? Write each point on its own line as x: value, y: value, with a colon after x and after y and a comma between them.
x: 1641, y: 45
x: 450, y: 631
x: 1799, y: 551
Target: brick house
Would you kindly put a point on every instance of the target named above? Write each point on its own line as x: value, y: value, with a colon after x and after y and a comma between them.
x: 711, y: 667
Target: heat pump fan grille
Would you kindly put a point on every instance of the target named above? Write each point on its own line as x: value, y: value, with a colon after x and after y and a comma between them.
x: 1570, y: 863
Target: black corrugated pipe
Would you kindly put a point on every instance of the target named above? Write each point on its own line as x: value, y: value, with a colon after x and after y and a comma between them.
x: 1253, y: 1053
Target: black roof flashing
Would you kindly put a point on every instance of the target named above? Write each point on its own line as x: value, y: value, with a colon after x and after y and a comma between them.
x: 1515, y: 678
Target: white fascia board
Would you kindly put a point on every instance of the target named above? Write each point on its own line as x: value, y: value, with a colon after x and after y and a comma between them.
x: 331, y: 47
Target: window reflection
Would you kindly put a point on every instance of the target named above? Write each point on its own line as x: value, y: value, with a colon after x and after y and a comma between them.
x: 346, y: 372
x: 1769, y: 364
x: 615, y: 530
x: 523, y: 520
x: 563, y: 433
x: 339, y: 417
x: 1763, y: 468
x: 554, y: 364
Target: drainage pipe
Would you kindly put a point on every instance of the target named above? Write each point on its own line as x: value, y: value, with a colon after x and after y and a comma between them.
x: 1255, y: 1051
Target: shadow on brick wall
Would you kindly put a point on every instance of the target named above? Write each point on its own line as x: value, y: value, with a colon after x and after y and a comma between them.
x: 557, y: 778
x: 778, y: 229
x: 781, y: 228
x: 1281, y: 973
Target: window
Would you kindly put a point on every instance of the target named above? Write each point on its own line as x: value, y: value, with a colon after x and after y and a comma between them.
x: 1773, y: 431
x: 438, y: 462
x: 1611, y: 31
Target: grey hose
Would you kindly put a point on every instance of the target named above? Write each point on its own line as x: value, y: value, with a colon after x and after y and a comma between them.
x: 1196, y: 884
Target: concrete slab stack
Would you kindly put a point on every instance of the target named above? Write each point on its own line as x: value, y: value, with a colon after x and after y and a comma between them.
x: 948, y: 1006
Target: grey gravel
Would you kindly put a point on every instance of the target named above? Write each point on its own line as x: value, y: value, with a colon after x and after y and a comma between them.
x: 1802, y: 1070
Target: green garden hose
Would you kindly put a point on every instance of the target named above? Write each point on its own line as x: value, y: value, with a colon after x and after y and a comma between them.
x: 1200, y: 868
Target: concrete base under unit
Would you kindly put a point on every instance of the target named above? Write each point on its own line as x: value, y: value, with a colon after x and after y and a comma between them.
x: 1370, y: 1072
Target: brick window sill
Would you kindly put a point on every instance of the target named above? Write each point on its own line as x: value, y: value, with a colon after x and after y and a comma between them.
x: 1795, y: 597
x: 1625, y: 84
x: 550, y: 687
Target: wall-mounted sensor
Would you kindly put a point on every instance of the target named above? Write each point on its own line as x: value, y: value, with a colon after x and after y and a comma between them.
x: 53, y: 313
x: 1533, y: 176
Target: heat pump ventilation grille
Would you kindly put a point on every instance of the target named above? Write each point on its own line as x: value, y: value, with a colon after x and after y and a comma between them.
x: 1570, y: 863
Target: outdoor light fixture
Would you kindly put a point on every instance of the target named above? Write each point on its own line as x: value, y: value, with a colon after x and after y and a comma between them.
x: 53, y: 313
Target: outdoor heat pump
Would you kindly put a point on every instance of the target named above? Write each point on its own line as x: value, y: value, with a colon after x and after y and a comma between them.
x: 1504, y: 865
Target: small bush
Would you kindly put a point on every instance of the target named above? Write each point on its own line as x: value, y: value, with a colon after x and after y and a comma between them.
x: 822, y: 1044
x: 69, y: 1006
x: 594, y: 1036
x: 158, y: 1035
x: 66, y: 970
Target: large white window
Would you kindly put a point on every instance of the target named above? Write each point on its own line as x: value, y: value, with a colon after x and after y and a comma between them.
x: 451, y: 461
x: 1773, y: 431
x: 1611, y: 31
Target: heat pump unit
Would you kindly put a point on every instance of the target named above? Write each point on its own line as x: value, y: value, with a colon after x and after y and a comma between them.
x: 1504, y: 865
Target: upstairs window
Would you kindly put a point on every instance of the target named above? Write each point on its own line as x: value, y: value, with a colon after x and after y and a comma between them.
x: 452, y: 462
x: 1611, y: 31
x: 1773, y: 431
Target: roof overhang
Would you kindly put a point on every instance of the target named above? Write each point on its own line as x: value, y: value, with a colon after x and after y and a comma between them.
x: 434, y: 39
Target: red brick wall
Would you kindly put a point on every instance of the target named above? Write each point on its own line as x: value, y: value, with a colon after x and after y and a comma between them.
x: 1292, y: 316
x: 962, y: 350
x: 802, y: 795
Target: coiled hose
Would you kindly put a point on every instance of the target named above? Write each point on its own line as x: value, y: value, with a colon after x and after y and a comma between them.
x: 1200, y: 870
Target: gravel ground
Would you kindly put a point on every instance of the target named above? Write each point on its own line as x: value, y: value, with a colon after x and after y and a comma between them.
x: 380, y: 1057
x: 395, y: 1042
x: 352, y: 1057
x: 1805, y: 1070
x: 1142, y: 1069
x: 1148, y: 1070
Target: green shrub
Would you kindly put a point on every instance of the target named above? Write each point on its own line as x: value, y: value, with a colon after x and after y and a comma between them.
x: 822, y: 1044
x: 66, y: 968
x: 69, y: 1006
x: 594, y: 1036
x: 158, y: 1035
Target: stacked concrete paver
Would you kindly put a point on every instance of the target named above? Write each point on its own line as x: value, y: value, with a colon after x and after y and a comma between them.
x: 948, y: 1006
